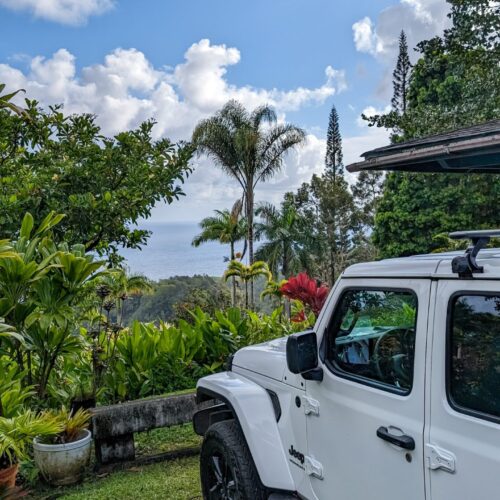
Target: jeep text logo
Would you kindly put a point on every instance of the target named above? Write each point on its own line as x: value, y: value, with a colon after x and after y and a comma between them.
x: 296, y: 454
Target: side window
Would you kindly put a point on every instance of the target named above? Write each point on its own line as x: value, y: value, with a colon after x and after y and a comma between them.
x: 474, y: 353
x: 372, y: 337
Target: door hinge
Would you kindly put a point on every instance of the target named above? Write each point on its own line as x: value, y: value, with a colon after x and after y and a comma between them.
x: 314, y: 468
x: 438, y: 458
x: 311, y: 406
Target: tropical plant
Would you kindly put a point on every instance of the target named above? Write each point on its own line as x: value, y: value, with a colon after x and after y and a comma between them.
x: 12, y: 393
x: 249, y: 147
x: 17, y: 433
x: 284, y: 246
x: 117, y: 286
x: 226, y: 227
x: 41, y: 287
x: 72, y: 424
x: 247, y: 273
x: 307, y: 290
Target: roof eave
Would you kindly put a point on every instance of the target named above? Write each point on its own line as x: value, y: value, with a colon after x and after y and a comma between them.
x: 477, y: 154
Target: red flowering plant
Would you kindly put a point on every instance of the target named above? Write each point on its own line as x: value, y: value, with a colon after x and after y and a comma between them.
x: 307, y: 291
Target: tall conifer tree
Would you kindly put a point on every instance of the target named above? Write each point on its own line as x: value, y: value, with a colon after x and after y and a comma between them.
x: 334, y: 163
x: 401, y: 77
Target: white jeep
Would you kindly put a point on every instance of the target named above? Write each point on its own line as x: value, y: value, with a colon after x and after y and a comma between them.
x: 394, y: 395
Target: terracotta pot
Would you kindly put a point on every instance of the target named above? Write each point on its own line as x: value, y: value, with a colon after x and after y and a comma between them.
x: 8, y: 476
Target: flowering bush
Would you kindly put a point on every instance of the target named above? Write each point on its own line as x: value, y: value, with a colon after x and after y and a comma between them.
x: 307, y: 290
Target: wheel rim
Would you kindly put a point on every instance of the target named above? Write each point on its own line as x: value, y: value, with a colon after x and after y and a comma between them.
x: 221, y: 482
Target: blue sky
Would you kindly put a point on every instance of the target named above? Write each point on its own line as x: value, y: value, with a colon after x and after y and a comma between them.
x: 178, y: 61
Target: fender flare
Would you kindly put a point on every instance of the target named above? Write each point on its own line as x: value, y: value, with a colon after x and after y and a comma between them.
x: 251, y: 405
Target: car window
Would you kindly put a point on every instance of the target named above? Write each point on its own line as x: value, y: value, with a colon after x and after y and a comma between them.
x: 474, y: 353
x: 372, y: 337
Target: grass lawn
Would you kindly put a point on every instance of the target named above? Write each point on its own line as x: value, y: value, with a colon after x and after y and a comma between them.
x: 177, y: 480
x: 173, y: 480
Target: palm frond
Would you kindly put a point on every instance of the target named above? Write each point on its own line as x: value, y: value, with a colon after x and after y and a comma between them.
x: 263, y: 114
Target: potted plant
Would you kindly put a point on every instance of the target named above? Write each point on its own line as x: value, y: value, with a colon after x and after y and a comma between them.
x: 63, y: 456
x: 16, y: 434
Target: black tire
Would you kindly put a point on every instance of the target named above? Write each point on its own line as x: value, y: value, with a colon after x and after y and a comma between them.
x: 227, y: 469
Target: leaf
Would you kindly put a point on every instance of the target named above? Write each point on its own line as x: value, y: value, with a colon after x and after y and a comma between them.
x: 27, y: 226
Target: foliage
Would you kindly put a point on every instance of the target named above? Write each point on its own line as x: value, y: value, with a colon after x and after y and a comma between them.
x: 333, y: 224
x: 307, y: 290
x: 52, y: 162
x: 41, y: 285
x: 334, y: 163
x: 455, y: 83
x: 6, y: 101
x: 208, y: 300
x: 12, y: 393
x: 262, y: 328
x: 247, y: 274
x: 415, y: 207
x: 16, y: 433
x: 249, y: 147
x: 71, y: 425
x: 366, y: 192
x: 170, y: 295
x: 226, y: 227
x: 284, y: 247
x: 401, y: 77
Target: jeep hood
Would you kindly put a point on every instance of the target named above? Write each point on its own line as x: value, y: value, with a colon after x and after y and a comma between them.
x: 267, y: 359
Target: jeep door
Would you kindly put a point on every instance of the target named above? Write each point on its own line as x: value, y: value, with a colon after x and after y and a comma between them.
x: 366, y: 441
x: 463, y: 438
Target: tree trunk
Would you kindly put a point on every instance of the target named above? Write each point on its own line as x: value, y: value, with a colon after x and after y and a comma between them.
x: 249, y: 210
x: 287, y: 306
x: 233, y: 279
x: 246, y: 294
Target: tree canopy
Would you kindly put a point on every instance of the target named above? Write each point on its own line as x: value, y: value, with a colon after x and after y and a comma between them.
x: 454, y: 83
x: 53, y: 162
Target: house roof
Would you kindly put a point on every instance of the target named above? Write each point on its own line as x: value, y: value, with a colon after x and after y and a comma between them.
x: 472, y: 149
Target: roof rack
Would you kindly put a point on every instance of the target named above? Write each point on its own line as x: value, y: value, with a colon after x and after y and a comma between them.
x: 465, y: 265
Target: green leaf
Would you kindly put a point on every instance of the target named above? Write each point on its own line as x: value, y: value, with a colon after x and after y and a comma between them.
x: 27, y: 226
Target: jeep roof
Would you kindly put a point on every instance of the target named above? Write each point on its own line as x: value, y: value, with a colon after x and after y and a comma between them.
x: 434, y: 265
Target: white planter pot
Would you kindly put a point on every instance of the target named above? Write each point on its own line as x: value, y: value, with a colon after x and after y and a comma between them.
x: 62, y: 464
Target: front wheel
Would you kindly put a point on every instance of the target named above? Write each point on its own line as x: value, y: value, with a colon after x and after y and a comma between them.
x: 226, y: 467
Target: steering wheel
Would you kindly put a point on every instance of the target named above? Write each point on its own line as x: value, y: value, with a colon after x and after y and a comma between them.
x: 392, y: 355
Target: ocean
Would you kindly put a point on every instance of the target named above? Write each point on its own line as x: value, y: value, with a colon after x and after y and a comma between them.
x: 169, y: 253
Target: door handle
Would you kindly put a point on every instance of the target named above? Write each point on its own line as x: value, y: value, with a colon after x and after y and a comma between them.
x: 404, y: 441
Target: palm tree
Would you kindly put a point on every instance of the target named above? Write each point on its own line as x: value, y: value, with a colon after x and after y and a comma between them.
x: 226, y: 227
x: 117, y: 286
x: 247, y: 273
x: 248, y: 146
x: 284, y: 248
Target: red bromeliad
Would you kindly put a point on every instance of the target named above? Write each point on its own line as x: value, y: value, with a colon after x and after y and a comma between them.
x: 307, y: 290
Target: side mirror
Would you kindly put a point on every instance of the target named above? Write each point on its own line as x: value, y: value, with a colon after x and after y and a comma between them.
x: 302, y: 355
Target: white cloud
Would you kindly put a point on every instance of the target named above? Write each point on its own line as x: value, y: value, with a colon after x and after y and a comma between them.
x: 72, y: 12
x: 125, y: 88
x: 365, y: 37
x: 421, y: 19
